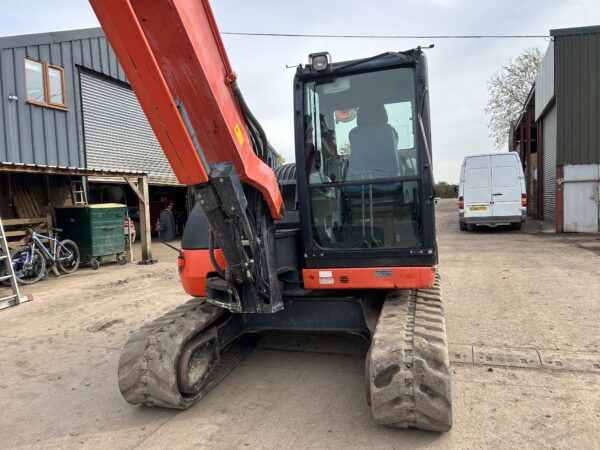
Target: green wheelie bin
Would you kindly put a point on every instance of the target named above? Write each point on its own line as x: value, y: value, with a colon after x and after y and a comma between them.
x: 98, y: 230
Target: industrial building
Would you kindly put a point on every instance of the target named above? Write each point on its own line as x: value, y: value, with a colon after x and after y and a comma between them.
x: 73, y: 130
x: 558, y: 133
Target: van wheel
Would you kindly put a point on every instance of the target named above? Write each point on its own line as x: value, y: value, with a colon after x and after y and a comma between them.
x: 516, y: 226
x: 471, y: 227
x: 463, y: 226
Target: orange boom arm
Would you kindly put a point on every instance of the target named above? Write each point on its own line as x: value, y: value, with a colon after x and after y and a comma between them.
x: 174, y: 59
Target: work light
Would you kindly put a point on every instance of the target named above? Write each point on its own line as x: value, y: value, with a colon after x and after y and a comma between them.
x: 319, y: 61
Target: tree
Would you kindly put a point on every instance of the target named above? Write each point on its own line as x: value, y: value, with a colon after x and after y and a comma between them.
x: 446, y: 190
x: 280, y: 160
x: 508, y: 89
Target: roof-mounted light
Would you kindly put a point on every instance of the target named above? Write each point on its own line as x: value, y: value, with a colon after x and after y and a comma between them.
x: 319, y: 62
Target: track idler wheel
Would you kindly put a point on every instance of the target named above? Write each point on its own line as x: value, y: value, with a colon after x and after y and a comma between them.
x: 197, y: 360
x: 167, y: 362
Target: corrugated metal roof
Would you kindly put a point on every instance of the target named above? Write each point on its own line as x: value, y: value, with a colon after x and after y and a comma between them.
x: 63, y: 170
x: 575, y: 31
x: 53, y: 37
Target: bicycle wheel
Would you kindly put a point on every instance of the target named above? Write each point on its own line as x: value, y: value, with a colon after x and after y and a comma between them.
x: 68, y: 256
x: 28, y: 270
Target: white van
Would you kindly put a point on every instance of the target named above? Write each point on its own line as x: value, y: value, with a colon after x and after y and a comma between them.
x: 492, y: 191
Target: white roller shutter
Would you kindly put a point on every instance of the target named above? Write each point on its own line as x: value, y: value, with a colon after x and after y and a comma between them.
x: 116, y: 132
x: 549, y: 155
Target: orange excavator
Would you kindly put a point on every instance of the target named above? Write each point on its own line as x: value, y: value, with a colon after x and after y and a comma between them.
x: 341, y: 241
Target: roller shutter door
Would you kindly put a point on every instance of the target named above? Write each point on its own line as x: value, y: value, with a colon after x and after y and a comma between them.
x: 549, y: 155
x: 117, y: 134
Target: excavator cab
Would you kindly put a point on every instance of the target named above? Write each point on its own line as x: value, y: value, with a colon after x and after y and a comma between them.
x: 365, y: 190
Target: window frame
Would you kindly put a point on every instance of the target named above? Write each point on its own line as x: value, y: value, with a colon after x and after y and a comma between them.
x: 63, y: 86
x: 46, y: 81
x: 28, y: 100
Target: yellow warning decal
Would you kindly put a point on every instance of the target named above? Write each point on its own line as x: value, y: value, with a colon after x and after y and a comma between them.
x: 238, y: 133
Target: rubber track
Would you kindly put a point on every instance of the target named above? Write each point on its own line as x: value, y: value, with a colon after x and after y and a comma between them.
x: 148, y: 363
x: 408, y: 367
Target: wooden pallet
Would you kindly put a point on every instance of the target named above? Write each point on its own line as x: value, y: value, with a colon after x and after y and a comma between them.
x: 16, y: 235
x: 25, y: 203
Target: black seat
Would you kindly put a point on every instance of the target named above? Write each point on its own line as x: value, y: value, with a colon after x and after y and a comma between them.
x: 373, y: 145
x: 56, y: 230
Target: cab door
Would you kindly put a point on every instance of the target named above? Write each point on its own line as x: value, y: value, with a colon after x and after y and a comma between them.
x: 506, y: 186
x: 477, y: 187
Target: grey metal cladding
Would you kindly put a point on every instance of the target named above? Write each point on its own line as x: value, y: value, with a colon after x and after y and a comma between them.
x: 117, y: 133
x: 33, y: 134
x: 549, y: 157
x: 544, y: 82
x: 577, y: 60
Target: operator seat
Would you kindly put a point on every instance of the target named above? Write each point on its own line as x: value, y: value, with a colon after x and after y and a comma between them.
x: 373, y: 145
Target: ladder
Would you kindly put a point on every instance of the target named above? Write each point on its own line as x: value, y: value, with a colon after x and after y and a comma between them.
x: 78, y: 195
x: 8, y: 274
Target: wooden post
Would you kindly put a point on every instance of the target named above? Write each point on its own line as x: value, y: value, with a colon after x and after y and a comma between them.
x: 47, y: 188
x: 141, y: 192
x: 9, y: 187
x: 145, y: 226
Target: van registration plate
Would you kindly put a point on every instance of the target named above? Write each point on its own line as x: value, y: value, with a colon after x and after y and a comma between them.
x: 478, y: 208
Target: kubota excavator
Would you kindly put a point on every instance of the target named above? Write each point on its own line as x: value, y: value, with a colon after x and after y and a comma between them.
x: 342, y: 241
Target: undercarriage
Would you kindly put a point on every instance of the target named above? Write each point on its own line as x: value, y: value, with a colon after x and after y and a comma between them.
x: 175, y: 360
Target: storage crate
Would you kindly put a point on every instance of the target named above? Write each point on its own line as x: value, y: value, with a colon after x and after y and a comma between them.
x: 98, y: 230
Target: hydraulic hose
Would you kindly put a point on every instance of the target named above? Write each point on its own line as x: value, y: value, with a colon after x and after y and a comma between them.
x: 264, y: 151
x: 211, y: 254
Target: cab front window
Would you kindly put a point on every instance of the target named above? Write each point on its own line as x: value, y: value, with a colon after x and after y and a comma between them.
x: 361, y: 160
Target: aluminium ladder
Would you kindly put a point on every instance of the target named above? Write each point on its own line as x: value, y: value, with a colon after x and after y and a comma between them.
x: 78, y: 194
x: 8, y: 275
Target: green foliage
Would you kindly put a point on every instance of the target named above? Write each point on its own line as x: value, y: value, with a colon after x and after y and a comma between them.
x: 280, y: 159
x: 446, y: 190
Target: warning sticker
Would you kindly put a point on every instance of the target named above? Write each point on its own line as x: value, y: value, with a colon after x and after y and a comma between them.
x: 238, y: 133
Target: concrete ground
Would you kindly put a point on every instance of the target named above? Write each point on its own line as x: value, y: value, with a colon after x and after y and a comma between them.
x: 535, y: 292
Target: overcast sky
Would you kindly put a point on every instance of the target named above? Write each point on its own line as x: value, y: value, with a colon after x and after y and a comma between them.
x: 458, y: 69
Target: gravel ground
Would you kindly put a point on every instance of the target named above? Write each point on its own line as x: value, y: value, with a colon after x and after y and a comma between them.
x: 526, y: 290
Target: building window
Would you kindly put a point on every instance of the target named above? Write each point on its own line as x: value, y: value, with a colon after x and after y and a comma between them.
x: 45, y: 84
x: 34, y: 74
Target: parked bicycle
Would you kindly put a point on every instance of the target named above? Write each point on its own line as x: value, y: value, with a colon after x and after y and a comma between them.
x: 29, y: 262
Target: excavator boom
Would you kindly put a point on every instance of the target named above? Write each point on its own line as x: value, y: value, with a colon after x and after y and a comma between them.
x: 173, y: 56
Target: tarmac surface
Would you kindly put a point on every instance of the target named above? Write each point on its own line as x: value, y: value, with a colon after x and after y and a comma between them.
x: 523, y: 321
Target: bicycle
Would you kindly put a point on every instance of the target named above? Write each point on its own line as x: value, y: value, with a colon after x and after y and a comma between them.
x: 29, y: 262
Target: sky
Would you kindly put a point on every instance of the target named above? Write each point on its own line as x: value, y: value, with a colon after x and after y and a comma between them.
x: 458, y: 69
